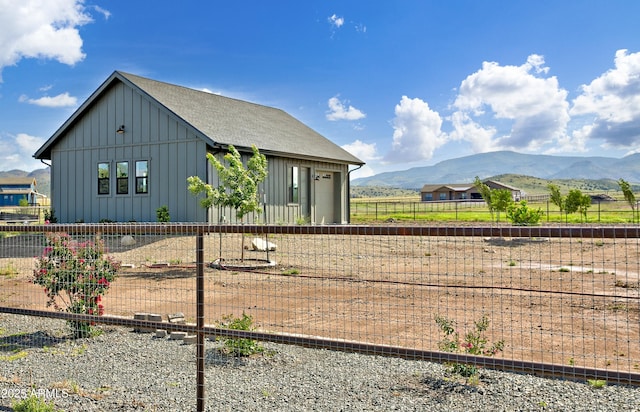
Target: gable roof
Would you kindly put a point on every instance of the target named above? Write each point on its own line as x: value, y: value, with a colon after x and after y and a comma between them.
x: 17, y: 181
x: 453, y: 187
x: 502, y: 185
x: 223, y: 121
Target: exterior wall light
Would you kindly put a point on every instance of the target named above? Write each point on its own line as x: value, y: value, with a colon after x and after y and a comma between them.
x: 120, y: 130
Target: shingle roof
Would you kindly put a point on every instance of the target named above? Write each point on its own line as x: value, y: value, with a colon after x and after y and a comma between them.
x: 454, y: 187
x: 25, y: 181
x: 225, y: 121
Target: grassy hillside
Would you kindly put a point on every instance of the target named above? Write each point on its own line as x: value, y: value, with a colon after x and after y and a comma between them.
x: 536, y: 186
x: 360, y: 192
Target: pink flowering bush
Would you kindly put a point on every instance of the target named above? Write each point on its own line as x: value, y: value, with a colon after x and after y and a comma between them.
x: 474, y: 342
x: 75, y: 275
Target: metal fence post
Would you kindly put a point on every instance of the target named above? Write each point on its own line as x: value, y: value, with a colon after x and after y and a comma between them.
x: 200, y: 379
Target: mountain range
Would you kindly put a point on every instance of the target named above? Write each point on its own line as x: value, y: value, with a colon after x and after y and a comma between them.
x: 485, y: 165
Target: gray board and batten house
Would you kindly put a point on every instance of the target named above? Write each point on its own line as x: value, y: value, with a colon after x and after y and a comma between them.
x: 130, y: 147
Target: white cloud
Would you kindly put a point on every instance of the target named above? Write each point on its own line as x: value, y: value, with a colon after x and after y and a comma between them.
x: 363, y: 151
x: 614, y: 99
x: 336, y: 21
x: 45, y: 29
x: 367, y: 152
x: 417, y: 132
x: 342, y: 111
x: 104, y: 12
x: 18, y: 152
x: 535, y: 108
x: 61, y: 100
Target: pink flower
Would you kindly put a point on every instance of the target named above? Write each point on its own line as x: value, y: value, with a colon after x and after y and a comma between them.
x: 103, y: 282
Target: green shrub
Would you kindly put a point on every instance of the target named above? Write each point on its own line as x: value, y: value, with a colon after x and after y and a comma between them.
x: 162, y: 214
x: 34, y: 404
x: 521, y: 214
x: 50, y: 216
x: 474, y: 342
x: 240, y: 346
x: 75, y: 275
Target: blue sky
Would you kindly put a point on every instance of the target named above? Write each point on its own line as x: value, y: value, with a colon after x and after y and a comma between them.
x: 399, y: 84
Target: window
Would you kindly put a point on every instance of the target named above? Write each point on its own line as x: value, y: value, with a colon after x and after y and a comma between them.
x: 443, y: 196
x: 428, y: 197
x: 122, y: 178
x: 142, y: 176
x: 292, y: 184
x: 103, y: 178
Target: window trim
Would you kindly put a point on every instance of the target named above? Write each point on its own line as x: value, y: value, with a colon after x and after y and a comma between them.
x: 104, y: 182
x: 293, y: 185
x: 142, y: 179
x: 120, y: 179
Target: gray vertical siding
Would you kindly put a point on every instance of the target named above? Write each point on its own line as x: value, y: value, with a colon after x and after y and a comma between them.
x: 152, y: 134
x: 278, y: 209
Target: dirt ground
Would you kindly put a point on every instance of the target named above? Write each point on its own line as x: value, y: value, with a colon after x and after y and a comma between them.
x: 562, y: 301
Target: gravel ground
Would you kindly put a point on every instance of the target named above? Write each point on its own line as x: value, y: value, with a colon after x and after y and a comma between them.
x: 125, y: 371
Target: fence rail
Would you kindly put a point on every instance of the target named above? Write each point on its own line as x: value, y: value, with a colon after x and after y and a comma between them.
x: 565, y: 300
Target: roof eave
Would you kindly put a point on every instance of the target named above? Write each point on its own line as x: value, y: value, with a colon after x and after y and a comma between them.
x: 44, y: 152
x: 273, y: 153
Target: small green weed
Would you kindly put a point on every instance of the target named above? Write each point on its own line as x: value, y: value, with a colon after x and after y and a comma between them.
x: 564, y: 270
x: 597, y: 383
x: 240, y: 346
x: 34, y: 404
x: 16, y: 354
x: 9, y: 271
x: 512, y: 263
x: 474, y: 342
x: 291, y: 272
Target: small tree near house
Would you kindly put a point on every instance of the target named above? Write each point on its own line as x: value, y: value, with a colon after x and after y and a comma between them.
x: 497, y: 200
x: 573, y: 202
x: 629, y: 197
x: 238, y: 187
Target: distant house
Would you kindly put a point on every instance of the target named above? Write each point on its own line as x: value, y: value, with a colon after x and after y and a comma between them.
x: 130, y: 147
x: 447, y: 192
x: 15, y: 189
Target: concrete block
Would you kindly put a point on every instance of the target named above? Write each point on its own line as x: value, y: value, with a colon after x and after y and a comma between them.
x: 154, y: 317
x: 190, y: 339
x: 140, y: 316
x: 176, y: 317
x: 161, y: 333
x: 177, y: 335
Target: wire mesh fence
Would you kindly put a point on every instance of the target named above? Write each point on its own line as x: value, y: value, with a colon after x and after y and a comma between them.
x: 541, y: 300
x: 600, y: 211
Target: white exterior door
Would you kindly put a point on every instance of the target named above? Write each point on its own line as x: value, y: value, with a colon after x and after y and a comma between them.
x: 325, y: 203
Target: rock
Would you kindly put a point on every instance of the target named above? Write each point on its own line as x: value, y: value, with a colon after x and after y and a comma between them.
x: 127, y: 240
x: 161, y: 333
x: 262, y: 245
